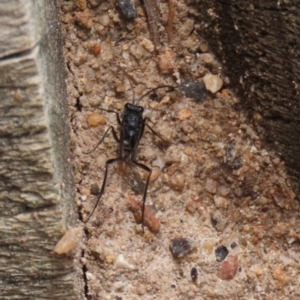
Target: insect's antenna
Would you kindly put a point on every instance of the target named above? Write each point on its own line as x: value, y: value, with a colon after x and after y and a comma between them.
x: 171, y: 88
x: 131, y: 85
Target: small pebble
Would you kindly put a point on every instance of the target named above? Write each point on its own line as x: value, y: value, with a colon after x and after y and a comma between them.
x: 107, y: 53
x: 233, y: 245
x: 257, y: 269
x: 280, y: 276
x: 218, y: 220
x: 127, y: 9
x: 228, y: 268
x: 137, y: 51
x: 110, y: 259
x: 211, y: 186
x: 208, y: 246
x: 80, y: 58
x: 186, y: 28
x: 94, y: 190
x: 191, y: 207
x: 194, y: 274
x: 155, y: 174
x: 90, y: 276
x: 213, y: 83
x: 95, y: 119
x: 176, y: 182
x: 236, y: 163
x: 181, y: 247
x: 194, y: 90
x: 69, y: 241
x: 220, y: 202
x: 172, y: 155
x: 88, y: 88
x: 119, y: 286
x: 104, y: 20
x: 221, y: 253
x: 203, y: 45
x: 223, y: 190
x: 85, y: 192
x: 208, y: 58
x: 122, y: 263
x: 166, y: 61
x: 150, y: 219
x: 83, y: 19
x: 159, y: 162
x: 95, y: 3
x: 81, y: 4
x: 185, y: 113
x: 230, y: 153
x: 147, y: 44
x: 116, y: 18
x: 96, y: 49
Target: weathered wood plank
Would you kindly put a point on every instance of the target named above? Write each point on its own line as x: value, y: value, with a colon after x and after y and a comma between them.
x: 20, y: 30
x: 258, y: 44
x: 36, y: 189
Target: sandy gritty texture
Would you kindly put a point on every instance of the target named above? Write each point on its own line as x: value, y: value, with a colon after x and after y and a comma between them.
x: 216, y: 185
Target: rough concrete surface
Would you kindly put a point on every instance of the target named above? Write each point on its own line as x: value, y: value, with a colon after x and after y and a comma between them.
x: 222, y: 218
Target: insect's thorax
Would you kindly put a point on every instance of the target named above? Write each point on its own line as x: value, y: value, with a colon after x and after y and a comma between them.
x: 132, y: 129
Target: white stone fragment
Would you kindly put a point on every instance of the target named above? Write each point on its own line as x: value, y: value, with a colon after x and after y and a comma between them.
x: 213, y: 83
x: 220, y: 202
x: 122, y: 263
x: 69, y: 241
x: 90, y: 276
x: 104, y: 20
x: 147, y: 44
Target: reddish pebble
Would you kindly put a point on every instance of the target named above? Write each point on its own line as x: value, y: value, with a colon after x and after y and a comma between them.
x: 96, y: 49
x: 228, y: 268
x: 150, y: 220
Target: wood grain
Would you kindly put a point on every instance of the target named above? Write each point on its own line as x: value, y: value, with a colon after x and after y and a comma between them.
x: 258, y: 44
x: 37, y: 197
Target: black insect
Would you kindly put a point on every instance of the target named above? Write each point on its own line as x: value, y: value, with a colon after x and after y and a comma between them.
x: 132, y: 125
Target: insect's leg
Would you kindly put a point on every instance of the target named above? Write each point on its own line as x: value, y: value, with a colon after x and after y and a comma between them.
x: 145, y: 168
x: 102, y: 139
x: 108, y: 162
x: 116, y: 113
x: 154, y: 132
x: 115, y: 135
x: 171, y: 88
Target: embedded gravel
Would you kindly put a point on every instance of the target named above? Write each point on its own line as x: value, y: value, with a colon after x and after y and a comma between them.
x: 214, y: 183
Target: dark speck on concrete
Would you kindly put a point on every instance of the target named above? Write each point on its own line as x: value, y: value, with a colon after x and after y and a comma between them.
x: 181, y: 247
x: 127, y: 9
x: 194, y: 274
x: 221, y: 252
x: 194, y: 90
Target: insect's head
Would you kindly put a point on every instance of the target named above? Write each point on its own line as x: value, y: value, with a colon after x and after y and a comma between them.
x: 135, y: 108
